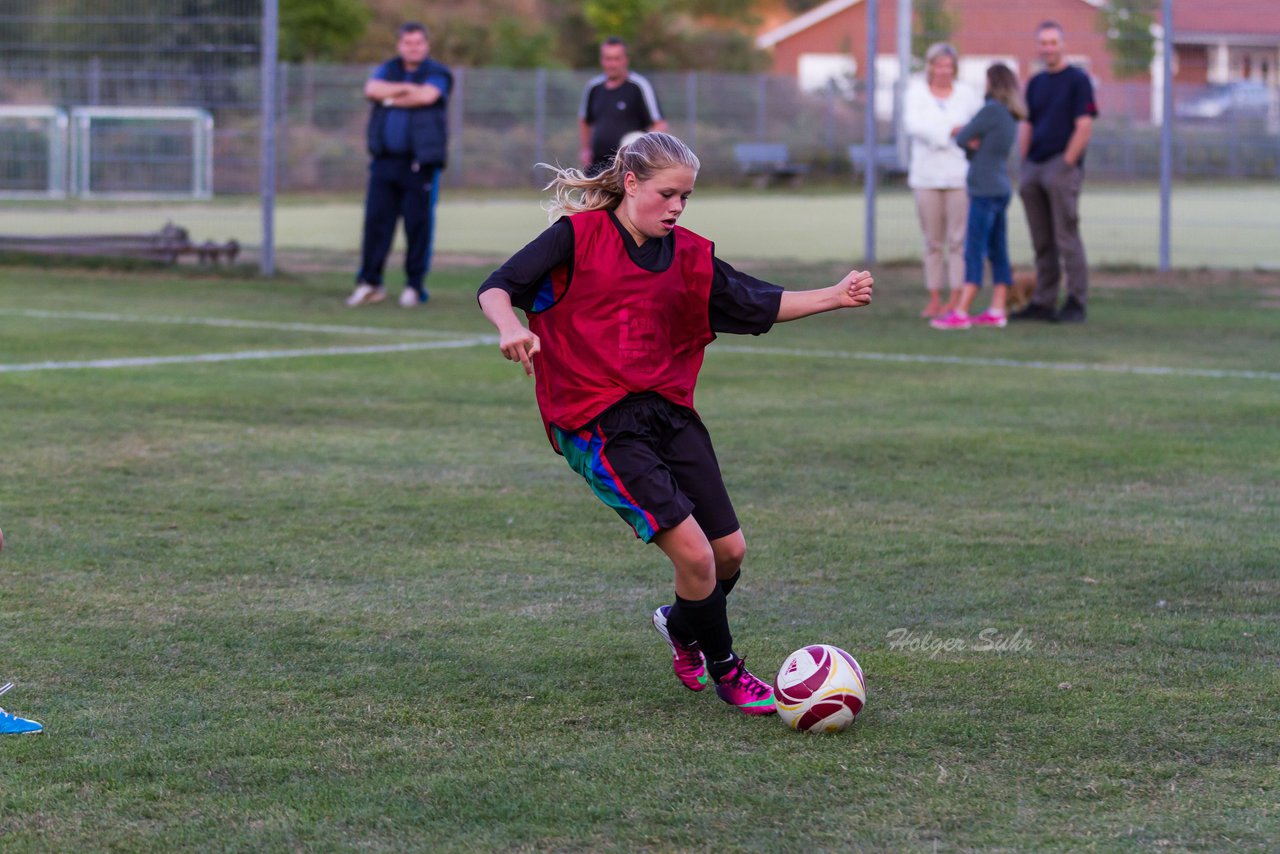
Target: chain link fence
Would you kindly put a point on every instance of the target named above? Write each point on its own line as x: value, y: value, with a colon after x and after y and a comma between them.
x: 503, y: 121
x: 145, y: 55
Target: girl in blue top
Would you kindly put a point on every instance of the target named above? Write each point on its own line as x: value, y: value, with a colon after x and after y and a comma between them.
x: 987, y: 139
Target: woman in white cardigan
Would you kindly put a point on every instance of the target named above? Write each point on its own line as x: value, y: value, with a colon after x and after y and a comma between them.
x: 932, y: 108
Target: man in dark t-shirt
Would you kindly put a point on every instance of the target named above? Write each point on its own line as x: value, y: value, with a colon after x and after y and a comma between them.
x: 1052, y: 141
x: 614, y: 104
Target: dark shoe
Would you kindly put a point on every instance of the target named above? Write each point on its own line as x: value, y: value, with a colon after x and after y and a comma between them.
x: 1071, y: 312
x: 1034, y: 312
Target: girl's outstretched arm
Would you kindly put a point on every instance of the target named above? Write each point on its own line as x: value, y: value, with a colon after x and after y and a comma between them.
x: 516, y: 343
x: 853, y: 291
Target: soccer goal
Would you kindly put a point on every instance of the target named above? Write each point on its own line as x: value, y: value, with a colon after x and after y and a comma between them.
x: 141, y: 152
x: 33, y: 153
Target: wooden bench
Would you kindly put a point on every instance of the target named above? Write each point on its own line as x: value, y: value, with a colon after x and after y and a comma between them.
x: 885, y: 155
x: 167, y: 245
x: 767, y: 163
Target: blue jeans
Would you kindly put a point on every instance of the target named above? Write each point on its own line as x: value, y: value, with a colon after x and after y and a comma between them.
x: 987, y: 236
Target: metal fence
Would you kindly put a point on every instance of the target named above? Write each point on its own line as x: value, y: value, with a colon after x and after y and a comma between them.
x: 504, y: 121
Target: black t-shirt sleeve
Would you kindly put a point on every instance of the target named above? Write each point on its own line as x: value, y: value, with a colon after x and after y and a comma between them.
x: 1082, y: 102
x: 524, y: 272
x: 742, y: 304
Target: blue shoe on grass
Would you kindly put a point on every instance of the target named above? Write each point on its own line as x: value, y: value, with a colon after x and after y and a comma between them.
x: 12, y: 724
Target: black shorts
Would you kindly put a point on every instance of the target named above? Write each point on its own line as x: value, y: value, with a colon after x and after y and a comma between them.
x: 653, y: 463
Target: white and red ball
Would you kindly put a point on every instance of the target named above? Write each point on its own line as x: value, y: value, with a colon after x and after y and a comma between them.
x: 820, y: 688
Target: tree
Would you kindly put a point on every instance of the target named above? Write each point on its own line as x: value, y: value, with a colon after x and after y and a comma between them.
x: 933, y: 24
x: 1127, y: 26
x: 626, y: 18
x: 320, y: 29
x: 678, y: 34
x: 504, y: 41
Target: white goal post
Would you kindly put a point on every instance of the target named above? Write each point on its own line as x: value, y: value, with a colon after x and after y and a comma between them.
x: 141, y: 152
x: 33, y: 152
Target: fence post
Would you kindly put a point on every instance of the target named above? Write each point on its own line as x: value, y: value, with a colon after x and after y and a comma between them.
x: 904, y: 71
x: 691, y: 106
x: 95, y: 81
x: 1166, y: 137
x: 457, y: 107
x: 282, y: 124
x: 829, y: 123
x: 267, y: 156
x: 869, y: 132
x: 540, y: 116
x: 761, y: 93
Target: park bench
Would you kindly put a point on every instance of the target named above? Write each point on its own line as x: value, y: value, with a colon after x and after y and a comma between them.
x: 167, y: 245
x: 885, y: 155
x: 767, y: 163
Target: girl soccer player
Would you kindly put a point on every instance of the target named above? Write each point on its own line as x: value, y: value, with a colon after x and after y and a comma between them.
x: 621, y: 303
x: 988, y: 138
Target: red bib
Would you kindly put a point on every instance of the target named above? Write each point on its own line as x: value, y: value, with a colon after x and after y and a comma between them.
x: 615, y: 329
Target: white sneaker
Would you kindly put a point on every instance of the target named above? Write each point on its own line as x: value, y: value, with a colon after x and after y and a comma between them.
x: 366, y: 294
x: 409, y: 298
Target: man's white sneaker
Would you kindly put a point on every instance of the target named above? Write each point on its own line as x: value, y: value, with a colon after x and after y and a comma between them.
x: 409, y: 298
x: 365, y: 294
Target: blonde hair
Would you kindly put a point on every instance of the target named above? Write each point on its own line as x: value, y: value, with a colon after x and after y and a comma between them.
x: 937, y: 50
x: 574, y: 191
x: 1002, y: 85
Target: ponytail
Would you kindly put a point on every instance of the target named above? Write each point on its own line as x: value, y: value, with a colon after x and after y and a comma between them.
x: 574, y: 191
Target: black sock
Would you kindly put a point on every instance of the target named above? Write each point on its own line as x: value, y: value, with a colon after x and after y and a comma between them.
x: 727, y: 584
x: 678, y: 624
x: 709, y: 624
x: 721, y: 669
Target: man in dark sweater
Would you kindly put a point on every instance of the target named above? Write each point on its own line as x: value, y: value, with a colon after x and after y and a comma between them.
x: 1060, y: 114
x: 408, y: 142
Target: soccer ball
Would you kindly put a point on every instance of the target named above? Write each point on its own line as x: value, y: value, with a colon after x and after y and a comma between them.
x: 630, y: 138
x: 820, y: 688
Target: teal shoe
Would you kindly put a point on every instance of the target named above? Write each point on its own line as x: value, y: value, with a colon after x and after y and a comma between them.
x: 14, y: 725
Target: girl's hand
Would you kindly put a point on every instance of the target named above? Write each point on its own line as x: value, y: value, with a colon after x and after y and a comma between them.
x: 521, y: 346
x: 854, y: 290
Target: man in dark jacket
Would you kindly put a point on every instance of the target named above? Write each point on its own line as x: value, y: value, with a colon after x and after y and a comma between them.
x: 408, y: 143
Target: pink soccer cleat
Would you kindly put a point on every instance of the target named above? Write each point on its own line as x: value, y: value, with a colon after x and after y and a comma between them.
x: 739, y: 688
x: 687, y: 659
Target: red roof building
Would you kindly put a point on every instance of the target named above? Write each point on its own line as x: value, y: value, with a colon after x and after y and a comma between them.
x: 1218, y: 42
x: 1215, y: 41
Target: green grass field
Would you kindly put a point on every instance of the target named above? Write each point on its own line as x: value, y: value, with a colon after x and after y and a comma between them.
x: 1218, y: 226
x: 350, y: 600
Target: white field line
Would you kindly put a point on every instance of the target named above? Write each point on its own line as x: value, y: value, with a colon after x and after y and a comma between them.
x: 246, y: 355
x: 228, y: 322
x: 978, y: 361
x: 461, y: 341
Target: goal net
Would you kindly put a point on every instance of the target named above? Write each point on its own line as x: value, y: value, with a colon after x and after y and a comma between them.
x: 141, y: 152
x: 33, y: 152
